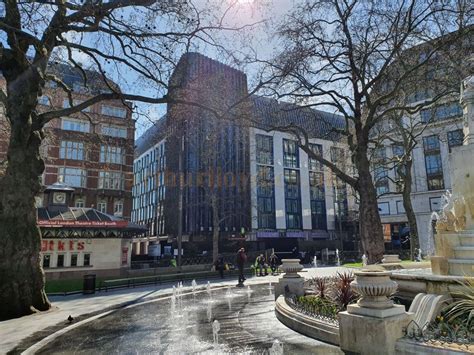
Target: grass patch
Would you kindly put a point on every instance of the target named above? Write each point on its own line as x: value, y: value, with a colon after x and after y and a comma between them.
x: 360, y: 264
x: 53, y: 286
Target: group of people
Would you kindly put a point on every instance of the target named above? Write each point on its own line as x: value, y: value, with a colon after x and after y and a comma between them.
x: 260, y: 263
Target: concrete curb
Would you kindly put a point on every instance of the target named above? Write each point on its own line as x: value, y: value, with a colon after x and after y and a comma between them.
x: 305, y: 325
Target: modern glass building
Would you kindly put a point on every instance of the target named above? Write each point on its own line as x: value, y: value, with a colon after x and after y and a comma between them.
x: 241, y: 177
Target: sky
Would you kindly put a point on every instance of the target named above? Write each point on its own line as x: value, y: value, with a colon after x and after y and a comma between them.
x: 263, y: 14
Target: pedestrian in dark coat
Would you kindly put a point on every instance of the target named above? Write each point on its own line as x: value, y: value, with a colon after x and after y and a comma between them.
x: 219, y: 264
x: 241, y: 259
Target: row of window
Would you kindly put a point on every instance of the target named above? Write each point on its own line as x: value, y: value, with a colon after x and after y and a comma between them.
x: 441, y: 112
x: 77, y: 177
x: 266, y: 189
x: 384, y: 207
x: 77, y: 151
x: 108, y: 110
x: 80, y: 202
x: 149, y: 189
x: 71, y: 124
x: 73, y: 261
x: 433, y: 162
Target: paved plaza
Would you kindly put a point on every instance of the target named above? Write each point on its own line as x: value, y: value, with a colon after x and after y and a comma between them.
x: 15, y: 330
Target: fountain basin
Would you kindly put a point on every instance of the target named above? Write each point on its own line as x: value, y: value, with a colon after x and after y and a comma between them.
x: 414, y: 281
x: 309, y: 326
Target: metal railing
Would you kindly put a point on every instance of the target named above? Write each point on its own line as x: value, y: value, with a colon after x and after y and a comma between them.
x: 440, y: 333
x: 311, y: 311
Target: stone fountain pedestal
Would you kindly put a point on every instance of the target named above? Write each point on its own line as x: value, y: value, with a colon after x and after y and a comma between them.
x: 374, y: 324
x: 454, y: 241
x: 291, y: 282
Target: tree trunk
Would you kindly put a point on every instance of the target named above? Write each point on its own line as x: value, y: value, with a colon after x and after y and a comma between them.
x: 215, y: 227
x: 21, y: 276
x: 371, y: 234
x: 407, y: 204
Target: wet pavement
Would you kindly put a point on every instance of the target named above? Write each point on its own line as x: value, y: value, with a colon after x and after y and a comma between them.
x: 183, y: 324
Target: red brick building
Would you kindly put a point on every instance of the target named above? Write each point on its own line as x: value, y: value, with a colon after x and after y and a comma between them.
x: 91, y: 151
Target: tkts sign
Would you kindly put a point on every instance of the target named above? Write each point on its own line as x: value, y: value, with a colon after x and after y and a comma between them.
x: 53, y: 223
x: 59, y: 245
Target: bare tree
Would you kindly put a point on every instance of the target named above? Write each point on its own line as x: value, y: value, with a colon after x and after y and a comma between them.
x: 136, y: 42
x: 354, y: 58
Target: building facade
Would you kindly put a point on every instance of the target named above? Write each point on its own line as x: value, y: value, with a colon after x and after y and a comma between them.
x: 91, y: 151
x: 269, y: 192
x: 438, y: 129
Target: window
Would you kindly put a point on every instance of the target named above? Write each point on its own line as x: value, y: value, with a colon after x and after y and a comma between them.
x: 400, y: 208
x: 44, y: 100
x: 441, y: 112
x: 69, y: 124
x: 114, y: 131
x: 73, y: 176
x: 73, y: 259
x: 455, y: 138
x: 317, y: 200
x: 431, y: 143
x: 265, y: 197
x: 118, y: 208
x: 112, y: 180
x: 264, y: 149
x: 114, y: 111
x: 87, y: 259
x: 60, y: 260
x: 315, y: 165
x: 290, y: 154
x: 384, y: 208
x: 71, y: 150
x: 80, y: 87
x: 75, y: 102
x: 292, y: 199
x: 46, y: 260
x: 79, y: 203
x: 433, y: 164
x: 102, y: 206
x: 112, y: 154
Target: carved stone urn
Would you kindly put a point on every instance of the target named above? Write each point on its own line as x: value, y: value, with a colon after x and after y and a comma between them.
x: 291, y: 267
x: 374, y: 287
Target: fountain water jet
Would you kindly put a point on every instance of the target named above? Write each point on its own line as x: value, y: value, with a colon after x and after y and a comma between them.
x: 215, y: 332
x: 276, y: 349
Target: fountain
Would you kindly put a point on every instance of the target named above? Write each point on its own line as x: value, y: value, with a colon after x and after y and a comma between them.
x: 208, y: 288
x: 364, y: 260
x: 194, y: 285
x: 315, y: 261
x: 338, y: 261
x: 228, y: 293
x: 454, y: 240
x: 276, y: 349
x: 215, y: 332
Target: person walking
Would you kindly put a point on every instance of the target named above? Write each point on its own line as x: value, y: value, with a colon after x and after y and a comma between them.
x: 219, y: 265
x: 241, y: 259
x: 273, y: 263
x: 261, y: 264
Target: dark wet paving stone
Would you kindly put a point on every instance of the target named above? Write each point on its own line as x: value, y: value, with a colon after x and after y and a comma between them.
x: 248, y: 325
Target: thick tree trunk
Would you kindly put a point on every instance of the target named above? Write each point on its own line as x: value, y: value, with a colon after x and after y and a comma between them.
x: 371, y: 233
x: 407, y: 204
x: 21, y: 275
